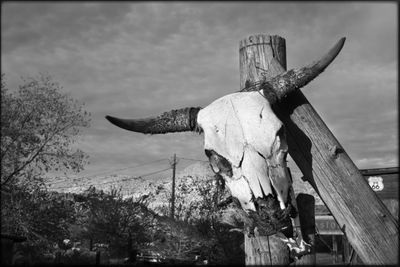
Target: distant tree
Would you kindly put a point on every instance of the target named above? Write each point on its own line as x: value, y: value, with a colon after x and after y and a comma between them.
x: 205, y: 204
x: 196, y: 198
x: 39, y: 124
x: 42, y: 217
x: 109, y: 218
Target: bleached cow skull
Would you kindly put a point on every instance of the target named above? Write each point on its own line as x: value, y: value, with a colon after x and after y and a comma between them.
x: 243, y: 138
x: 245, y: 143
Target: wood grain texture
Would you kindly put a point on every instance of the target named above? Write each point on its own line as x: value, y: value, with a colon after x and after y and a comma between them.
x: 265, y: 251
x: 260, y: 55
x: 370, y: 228
x: 367, y: 223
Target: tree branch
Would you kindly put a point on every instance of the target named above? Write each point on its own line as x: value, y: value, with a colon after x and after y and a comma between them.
x: 16, y: 137
x: 35, y: 155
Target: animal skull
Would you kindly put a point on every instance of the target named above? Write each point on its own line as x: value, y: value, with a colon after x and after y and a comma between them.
x: 246, y: 145
x: 243, y: 138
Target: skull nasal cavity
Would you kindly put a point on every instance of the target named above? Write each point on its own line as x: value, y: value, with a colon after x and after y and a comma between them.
x: 218, y: 163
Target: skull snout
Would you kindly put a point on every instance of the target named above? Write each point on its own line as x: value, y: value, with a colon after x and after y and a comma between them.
x: 256, y: 177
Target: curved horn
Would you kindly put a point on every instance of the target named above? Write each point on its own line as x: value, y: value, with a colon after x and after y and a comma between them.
x: 283, y: 84
x: 180, y: 120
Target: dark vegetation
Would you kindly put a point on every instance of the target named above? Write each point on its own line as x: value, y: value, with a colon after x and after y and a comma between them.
x: 39, y: 126
x: 124, y: 226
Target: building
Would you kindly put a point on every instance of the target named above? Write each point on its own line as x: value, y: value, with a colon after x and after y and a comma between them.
x: 332, y: 246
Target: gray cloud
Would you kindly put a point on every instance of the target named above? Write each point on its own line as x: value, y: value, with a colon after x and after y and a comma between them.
x: 44, y: 25
x: 140, y: 59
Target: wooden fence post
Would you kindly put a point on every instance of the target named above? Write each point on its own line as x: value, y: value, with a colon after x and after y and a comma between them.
x: 97, y: 258
x: 369, y: 226
x: 257, y: 54
x: 306, y: 207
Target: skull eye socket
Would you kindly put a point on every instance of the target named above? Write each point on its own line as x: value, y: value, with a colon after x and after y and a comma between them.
x: 218, y: 163
x: 208, y: 152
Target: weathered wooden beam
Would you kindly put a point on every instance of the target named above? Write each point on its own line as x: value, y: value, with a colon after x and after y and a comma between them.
x: 256, y: 55
x: 370, y: 228
x: 306, y: 207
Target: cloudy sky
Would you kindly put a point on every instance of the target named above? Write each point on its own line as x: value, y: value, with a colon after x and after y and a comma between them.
x: 139, y: 59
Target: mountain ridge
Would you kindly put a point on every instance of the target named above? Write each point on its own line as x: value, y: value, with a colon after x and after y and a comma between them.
x: 137, y: 187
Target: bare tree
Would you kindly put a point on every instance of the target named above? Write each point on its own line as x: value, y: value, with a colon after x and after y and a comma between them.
x: 39, y: 125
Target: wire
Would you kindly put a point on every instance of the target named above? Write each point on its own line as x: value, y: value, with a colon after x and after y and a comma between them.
x: 193, y: 159
x: 113, y: 171
x: 122, y: 180
x: 139, y: 165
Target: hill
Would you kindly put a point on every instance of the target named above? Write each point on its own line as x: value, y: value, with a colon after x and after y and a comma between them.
x: 158, y: 188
